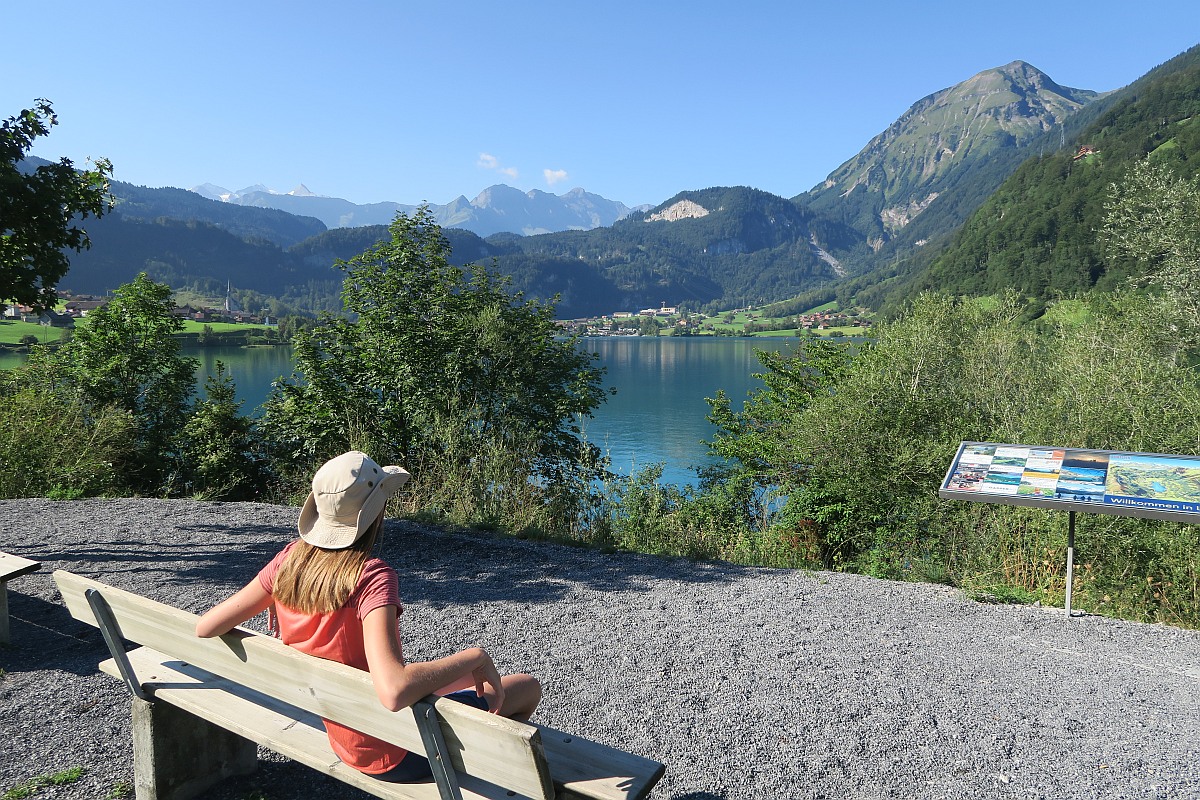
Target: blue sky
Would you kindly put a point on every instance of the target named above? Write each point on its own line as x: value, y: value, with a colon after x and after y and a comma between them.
x: 635, y: 101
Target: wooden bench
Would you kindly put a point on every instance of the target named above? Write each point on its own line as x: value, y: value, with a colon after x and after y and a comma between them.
x: 11, y: 567
x: 200, y: 705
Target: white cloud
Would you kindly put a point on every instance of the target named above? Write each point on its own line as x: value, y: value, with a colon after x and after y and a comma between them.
x: 554, y: 176
x: 489, y: 161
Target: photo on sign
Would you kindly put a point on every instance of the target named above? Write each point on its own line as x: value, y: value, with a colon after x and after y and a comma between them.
x: 1040, y: 478
x: 1082, y: 477
x: 967, y: 477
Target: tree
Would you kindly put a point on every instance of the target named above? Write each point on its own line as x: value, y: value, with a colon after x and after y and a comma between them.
x: 439, y: 368
x: 127, y: 357
x: 1153, y: 217
x: 39, y: 209
x: 221, y: 450
x: 757, y: 445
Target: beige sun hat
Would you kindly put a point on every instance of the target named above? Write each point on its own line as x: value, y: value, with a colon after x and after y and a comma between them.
x: 348, y: 494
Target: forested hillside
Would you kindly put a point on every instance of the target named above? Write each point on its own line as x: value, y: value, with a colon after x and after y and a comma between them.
x: 1037, y: 233
x: 736, y: 246
x: 265, y: 224
x: 191, y: 242
x: 741, y: 246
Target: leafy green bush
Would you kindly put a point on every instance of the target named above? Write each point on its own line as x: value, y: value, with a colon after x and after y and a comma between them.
x: 51, y: 447
x: 126, y: 358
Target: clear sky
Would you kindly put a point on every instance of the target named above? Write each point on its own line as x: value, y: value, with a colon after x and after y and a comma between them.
x: 635, y: 101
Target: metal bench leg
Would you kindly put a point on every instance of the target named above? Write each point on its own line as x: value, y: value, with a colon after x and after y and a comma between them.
x: 435, y: 750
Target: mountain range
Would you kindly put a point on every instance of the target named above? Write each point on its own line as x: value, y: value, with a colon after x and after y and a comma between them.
x: 918, y: 207
x: 497, y: 209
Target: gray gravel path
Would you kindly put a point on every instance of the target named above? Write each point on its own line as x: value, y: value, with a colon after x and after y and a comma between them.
x: 747, y: 683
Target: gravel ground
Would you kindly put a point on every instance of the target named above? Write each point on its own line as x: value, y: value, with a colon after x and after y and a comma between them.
x: 746, y: 683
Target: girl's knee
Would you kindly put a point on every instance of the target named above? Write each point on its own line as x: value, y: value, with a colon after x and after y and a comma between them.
x: 523, y: 693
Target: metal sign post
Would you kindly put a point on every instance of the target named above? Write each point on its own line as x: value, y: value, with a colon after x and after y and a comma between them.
x: 1070, y: 558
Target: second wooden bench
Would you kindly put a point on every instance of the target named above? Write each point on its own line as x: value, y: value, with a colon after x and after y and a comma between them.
x: 11, y: 567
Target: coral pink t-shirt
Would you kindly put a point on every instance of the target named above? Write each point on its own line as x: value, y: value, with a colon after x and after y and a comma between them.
x: 338, y: 636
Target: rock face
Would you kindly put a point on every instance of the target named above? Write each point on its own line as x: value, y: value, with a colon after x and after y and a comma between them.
x: 940, y: 138
x: 684, y: 209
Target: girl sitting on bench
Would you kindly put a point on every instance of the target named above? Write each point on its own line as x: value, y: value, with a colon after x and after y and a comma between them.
x: 331, y: 599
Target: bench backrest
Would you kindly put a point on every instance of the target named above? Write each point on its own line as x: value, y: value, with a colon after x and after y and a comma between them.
x: 492, y: 748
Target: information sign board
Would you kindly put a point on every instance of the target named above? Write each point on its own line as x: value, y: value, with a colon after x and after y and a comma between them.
x: 1148, y: 485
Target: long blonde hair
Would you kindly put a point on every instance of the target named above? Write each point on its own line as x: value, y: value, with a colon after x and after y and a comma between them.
x: 313, y: 580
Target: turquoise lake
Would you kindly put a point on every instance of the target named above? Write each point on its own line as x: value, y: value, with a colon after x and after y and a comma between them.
x: 658, y: 413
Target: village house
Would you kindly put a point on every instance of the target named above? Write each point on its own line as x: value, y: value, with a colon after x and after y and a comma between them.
x: 662, y: 311
x: 53, y: 319
x: 18, y: 311
x: 81, y: 308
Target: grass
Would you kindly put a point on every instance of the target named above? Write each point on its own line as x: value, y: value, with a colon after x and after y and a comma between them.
x: 32, y: 786
x: 12, y: 331
x: 191, y: 326
x: 1067, y: 312
x: 738, y: 321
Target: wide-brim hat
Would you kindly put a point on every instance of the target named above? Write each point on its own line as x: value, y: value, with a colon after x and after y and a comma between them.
x: 348, y: 494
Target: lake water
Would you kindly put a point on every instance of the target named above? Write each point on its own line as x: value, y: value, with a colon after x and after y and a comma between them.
x: 658, y: 414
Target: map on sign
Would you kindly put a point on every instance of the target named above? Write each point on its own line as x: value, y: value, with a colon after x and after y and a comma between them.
x: 1024, y: 475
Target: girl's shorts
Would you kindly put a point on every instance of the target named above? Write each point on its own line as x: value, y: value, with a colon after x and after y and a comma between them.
x: 415, y: 767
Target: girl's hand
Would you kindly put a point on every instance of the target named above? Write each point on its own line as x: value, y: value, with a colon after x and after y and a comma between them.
x: 486, y: 674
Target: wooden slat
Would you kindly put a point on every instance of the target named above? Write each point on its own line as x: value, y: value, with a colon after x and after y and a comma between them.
x: 502, y: 751
x: 587, y: 770
x: 287, y: 730
x: 14, y: 566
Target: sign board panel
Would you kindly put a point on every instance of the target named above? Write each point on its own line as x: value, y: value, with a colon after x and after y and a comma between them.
x: 1149, y: 485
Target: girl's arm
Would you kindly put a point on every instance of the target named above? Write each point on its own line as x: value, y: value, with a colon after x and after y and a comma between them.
x: 249, y: 601
x: 399, y: 684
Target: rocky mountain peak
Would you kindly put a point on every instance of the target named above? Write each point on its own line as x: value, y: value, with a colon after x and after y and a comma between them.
x: 905, y: 168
